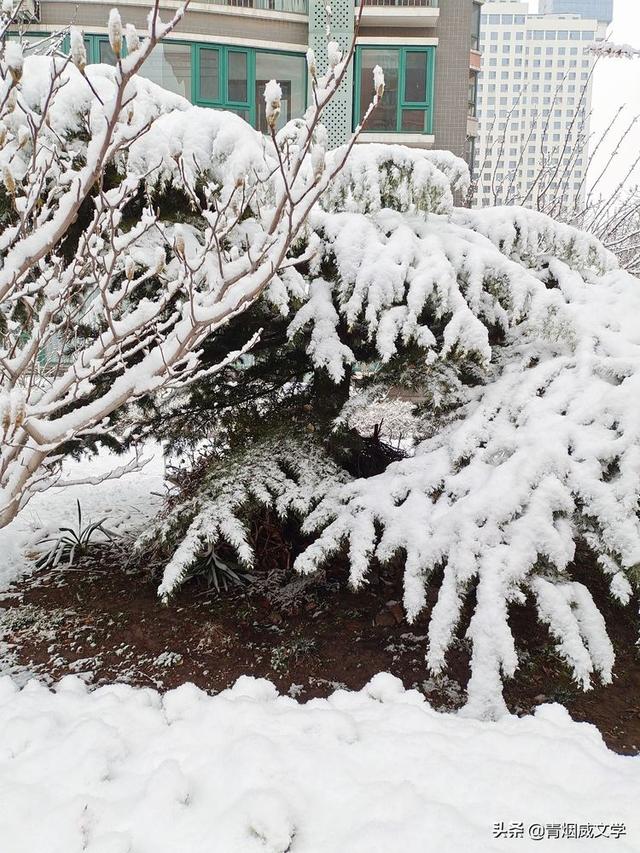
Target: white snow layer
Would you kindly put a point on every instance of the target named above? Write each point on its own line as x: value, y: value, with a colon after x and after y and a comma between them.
x: 125, y: 770
x: 125, y: 503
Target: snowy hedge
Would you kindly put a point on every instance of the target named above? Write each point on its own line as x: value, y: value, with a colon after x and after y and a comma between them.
x: 510, y: 342
x: 519, y: 336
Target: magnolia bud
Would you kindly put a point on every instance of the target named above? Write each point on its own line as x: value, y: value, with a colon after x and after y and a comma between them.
x: 378, y: 81
x: 20, y: 408
x: 317, y: 161
x: 115, y: 32
x: 159, y: 267
x: 24, y: 135
x: 14, y: 59
x: 178, y: 243
x: 8, y: 180
x: 5, y: 420
x: 78, y: 50
x: 272, y: 99
x: 131, y: 36
x: 311, y: 64
x: 334, y: 54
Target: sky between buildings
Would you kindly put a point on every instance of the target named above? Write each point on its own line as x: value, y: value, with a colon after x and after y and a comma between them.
x: 616, y: 82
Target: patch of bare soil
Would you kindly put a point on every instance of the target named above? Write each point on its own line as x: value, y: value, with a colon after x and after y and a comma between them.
x: 104, y: 624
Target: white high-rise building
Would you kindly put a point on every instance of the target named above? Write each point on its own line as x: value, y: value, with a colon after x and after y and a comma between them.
x: 534, y: 103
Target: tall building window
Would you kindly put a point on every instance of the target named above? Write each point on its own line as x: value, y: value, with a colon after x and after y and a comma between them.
x: 475, y: 27
x: 408, y: 93
x: 237, y: 76
x: 106, y: 54
x: 473, y: 93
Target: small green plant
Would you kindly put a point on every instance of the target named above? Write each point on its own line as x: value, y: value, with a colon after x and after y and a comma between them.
x: 291, y: 651
x: 219, y: 575
x: 71, y: 544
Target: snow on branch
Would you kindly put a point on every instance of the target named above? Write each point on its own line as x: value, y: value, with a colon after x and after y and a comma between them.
x: 411, y: 279
x: 102, y: 301
x: 529, y: 235
x: 544, y: 452
x: 289, y: 476
x: 614, y: 51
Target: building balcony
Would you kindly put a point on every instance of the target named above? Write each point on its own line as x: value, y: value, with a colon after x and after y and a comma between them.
x: 287, y: 7
x: 423, y: 4
x: 293, y: 7
x: 400, y: 13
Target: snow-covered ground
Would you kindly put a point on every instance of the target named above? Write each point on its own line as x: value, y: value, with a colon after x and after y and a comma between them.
x: 124, y: 770
x: 125, y: 503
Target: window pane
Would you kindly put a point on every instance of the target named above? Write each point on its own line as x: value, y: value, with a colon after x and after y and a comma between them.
x: 475, y: 27
x: 415, y: 78
x: 289, y: 71
x: 384, y: 116
x: 413, y: 120
x: 106, y: 54
x: 209, y: 74
x: 237, y: 77
x: 87, y: 47
x: 242, y: 113
x: 169, y: 65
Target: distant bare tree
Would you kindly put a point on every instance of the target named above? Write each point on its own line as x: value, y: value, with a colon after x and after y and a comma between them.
x: 612, y: 215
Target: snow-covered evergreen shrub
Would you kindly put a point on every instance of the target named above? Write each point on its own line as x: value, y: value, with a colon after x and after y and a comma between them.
x: 545, y: 453
x: 289, y: 475
x: 405, y: 179
x: 511, y: 343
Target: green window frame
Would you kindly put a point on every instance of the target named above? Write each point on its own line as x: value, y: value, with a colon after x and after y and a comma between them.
x: 229, y: 94
x: 222, y: 99
x: 225, y: 99
x: 403, y: 104
x: 92, y: 45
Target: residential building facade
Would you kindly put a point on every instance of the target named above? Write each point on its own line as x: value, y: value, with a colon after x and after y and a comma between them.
x: 534, y: 102
x: 223, y: 53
